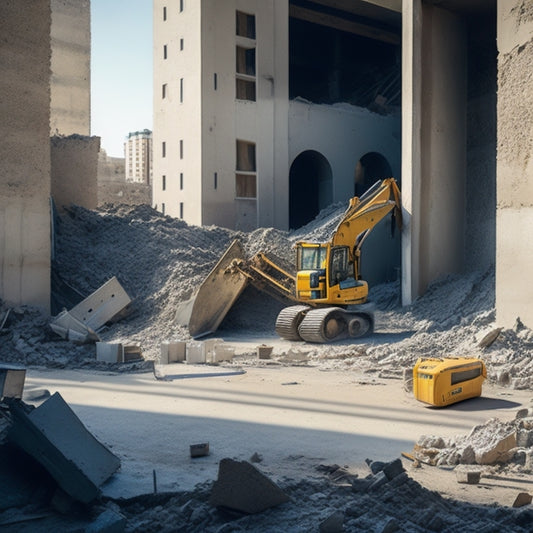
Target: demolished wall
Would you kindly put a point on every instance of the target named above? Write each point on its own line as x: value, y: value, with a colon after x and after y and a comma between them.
x: 71, y: 67
x: 74, y: 170
x: 514, y: 210
x: 25, y: 153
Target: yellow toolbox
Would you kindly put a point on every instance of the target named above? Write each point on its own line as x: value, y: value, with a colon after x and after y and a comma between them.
x: 445, y: 381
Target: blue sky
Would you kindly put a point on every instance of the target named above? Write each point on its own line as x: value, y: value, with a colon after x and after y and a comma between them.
x: 121, y: 70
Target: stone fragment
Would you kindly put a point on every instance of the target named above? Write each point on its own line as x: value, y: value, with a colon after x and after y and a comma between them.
x: 393, y: 469
x: 242, y: 487
x: 523, y: 498
x: 499, y: 452
x: 471, y: 477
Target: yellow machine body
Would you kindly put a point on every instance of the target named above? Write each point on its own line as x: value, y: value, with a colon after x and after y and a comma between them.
x: 445, y: 381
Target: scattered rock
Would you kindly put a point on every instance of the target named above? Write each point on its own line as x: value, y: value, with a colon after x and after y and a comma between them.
x: 522, y: 499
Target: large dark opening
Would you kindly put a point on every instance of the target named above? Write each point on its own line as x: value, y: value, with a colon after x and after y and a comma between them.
x: 310, y: 187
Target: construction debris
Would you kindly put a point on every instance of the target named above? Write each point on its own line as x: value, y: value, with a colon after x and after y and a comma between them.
x: 199, y: 450
x: 54, y: 436
x: 12, y: 381
x: 81, y: 323
x: 241, y: 487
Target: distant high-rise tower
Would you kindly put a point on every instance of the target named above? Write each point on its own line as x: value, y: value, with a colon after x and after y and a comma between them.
x: 138, y: 156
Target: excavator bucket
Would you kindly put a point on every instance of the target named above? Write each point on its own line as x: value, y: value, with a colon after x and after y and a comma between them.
x: 218, y: 293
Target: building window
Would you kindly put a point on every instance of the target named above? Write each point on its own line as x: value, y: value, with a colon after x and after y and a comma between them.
x: 164, y: 183
x: 245, y: 176
x: 245, y: 25
x: 181, y: 209
x: 181, y: 44
x: 163, y: 208
x: 164, y: 12
x: 163, y: 149
x: 245, y: 61
x: 215, y: 81
x: 181, y: 181
x: 164, y: 90
x: 181, y: 148
x: 245, y: 90
x: 215, y: 180
x: 181, y: 6
x: 181, y: 90
x: 164, y: 51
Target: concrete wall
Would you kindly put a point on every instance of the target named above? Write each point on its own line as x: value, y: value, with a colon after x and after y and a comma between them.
x: 434, y: 145
x: 514, y: 214
x: 71, y: 67
x: 74, y: 171
x: 25, y: 153
x: 343, y: 134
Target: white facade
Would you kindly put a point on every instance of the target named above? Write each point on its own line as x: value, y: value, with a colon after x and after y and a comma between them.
x: 198, y: 119
x: 138, y: 157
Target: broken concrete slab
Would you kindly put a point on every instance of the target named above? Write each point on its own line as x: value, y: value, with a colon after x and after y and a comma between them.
x: 332, y: 524
x: 199, y: 450
x: 12, y: 379
x: 70, y: 328
x: 83, y: 320
x: 102, y: 305
x: 56, y: 438
x: 240, y: 486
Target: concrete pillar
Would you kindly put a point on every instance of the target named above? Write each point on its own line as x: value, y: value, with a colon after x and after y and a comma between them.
x: 514, y: 172
x: 433, y: 145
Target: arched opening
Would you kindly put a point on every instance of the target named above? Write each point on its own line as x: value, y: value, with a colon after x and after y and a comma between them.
x: 310, y: 187
x: 381, y: 252
x: 369, y: 169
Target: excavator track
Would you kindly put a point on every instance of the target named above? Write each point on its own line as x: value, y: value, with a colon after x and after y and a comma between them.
x: 331, y: 324
x: 289, y: 320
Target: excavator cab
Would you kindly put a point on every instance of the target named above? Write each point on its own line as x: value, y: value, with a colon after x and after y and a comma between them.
x: 327, y: 275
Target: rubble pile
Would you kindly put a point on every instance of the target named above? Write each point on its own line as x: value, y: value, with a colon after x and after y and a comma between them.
x: 161, y: 261
x: 493, y: 443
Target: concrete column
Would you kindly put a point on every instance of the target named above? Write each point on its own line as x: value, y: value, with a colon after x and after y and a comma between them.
x: 411, y: 158
x: 434, y: 145
x: 514, y: 167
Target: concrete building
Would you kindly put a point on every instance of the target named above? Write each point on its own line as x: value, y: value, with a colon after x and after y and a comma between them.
x: 138, y: 157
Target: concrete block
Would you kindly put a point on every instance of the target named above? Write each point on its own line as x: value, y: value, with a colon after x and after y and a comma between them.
x: 172, y: 352
x: 108, y: 522
x: 471, y: 477
x: 109, y: 352
x: 195, y: 353
x: 242, y: 487
x: 264, y: 351
x: 199, y: 450
x: 12, y: 381
x: 222, y: 353
x: 54, y: 436
x: 131, y: 352
x: 102, y: 305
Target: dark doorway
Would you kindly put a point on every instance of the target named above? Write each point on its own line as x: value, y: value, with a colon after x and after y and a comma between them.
x: 370, y: 168
x: 310, y: 187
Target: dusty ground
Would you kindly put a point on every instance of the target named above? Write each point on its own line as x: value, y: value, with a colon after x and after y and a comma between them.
x: 160, y: 261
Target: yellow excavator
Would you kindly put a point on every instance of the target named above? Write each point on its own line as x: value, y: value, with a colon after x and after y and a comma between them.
x: 329, y: 296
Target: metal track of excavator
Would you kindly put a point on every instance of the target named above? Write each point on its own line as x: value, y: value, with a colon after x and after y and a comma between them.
x: 330, y: 324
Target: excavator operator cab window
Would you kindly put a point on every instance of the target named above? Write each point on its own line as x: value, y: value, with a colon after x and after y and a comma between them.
x: 339, y: 269
x: 311, y: 257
